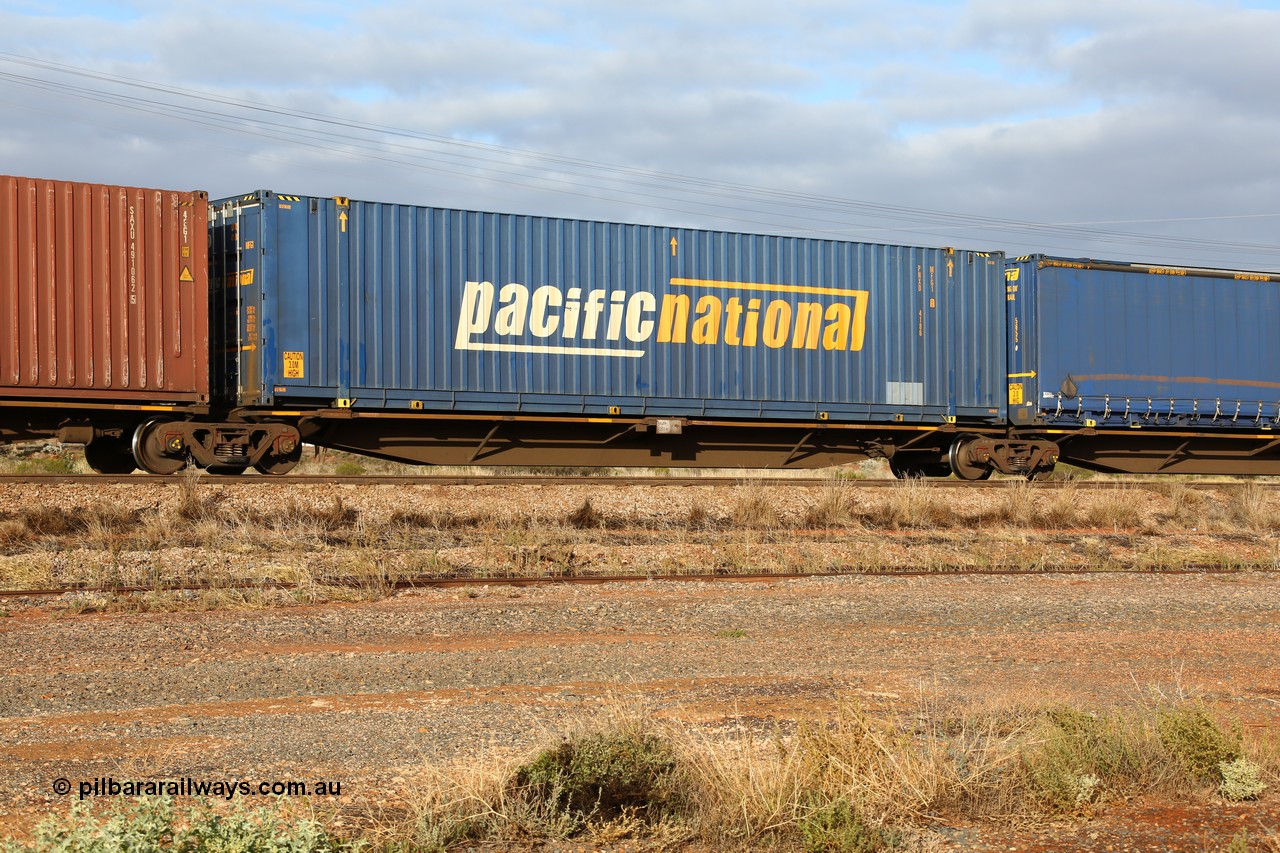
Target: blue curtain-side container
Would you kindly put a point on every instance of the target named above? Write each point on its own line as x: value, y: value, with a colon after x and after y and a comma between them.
x: 392, y: 306
x: 1142, y: 345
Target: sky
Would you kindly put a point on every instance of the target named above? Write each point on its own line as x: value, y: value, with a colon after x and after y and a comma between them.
x: 1130, y: 130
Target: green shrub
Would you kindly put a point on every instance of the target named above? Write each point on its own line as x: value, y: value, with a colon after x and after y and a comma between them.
x: 1197, y: 742
x: 601, y: 776
x: 837, y: 827
x: 1079, y: 758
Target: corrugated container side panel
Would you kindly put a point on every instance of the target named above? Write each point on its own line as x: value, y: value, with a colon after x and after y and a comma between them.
x: 498, y: 307
x: 1192, y: 344
x: 103, y: 291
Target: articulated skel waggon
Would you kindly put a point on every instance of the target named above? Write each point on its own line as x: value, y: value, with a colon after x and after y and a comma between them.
x: 455, y: 336
x: 436, y: 336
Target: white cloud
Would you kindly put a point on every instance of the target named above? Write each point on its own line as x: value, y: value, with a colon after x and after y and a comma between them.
x: 1054, y: 111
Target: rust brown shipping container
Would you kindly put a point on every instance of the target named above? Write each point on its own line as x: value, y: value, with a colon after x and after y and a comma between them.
x: 103, y: 292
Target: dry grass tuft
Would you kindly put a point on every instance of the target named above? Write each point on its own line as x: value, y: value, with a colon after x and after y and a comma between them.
x: 325, y: 518
x: 48, y: 521
x: 699, y: 518
x: 1018, y: 502
x: 194, y: 503
x: 1114, y: 509
x: 586, y: 517
x: 755, y: 509
x: 834, y: 508
x: 1186, y: 506
x: 14, y: 532
x: 912, y: 504
x: 1253, y: 509
x: 445, y: 519
x: 1061, y: 509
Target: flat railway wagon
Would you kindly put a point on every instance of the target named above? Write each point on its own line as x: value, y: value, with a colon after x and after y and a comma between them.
x: 452, y: 336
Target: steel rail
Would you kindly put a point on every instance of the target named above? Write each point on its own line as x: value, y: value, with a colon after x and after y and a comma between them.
x: 587, y: 480
x: 402, y: 584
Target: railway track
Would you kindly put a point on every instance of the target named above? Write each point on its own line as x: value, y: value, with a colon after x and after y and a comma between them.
x: 402, y: 584
x: 581, y: 480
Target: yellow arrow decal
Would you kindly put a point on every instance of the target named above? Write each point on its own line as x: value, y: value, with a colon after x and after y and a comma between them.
x: 1030, y: 375
x: 342, y: 219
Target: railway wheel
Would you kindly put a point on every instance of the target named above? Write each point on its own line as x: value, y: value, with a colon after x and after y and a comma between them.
x: 151, y: 451
x: 110, y: 456
x: 962, y: 463
x: 280, y: 463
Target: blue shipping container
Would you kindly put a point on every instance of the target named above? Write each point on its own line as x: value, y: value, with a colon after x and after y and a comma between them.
x: 389, y: 306
x: 1132, y: 344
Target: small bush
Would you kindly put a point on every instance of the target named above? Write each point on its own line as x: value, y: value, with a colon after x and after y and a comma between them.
x: 1081, y: 758
x: 1241, y: 780
x: 601, y: 776
x: 1197, y: 742
x: 838, y: 828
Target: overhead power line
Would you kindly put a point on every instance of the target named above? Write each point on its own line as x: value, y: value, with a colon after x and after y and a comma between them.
x: 752, y: 205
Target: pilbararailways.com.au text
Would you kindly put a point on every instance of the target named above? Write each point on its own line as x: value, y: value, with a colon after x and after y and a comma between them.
x: 188, y: 787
